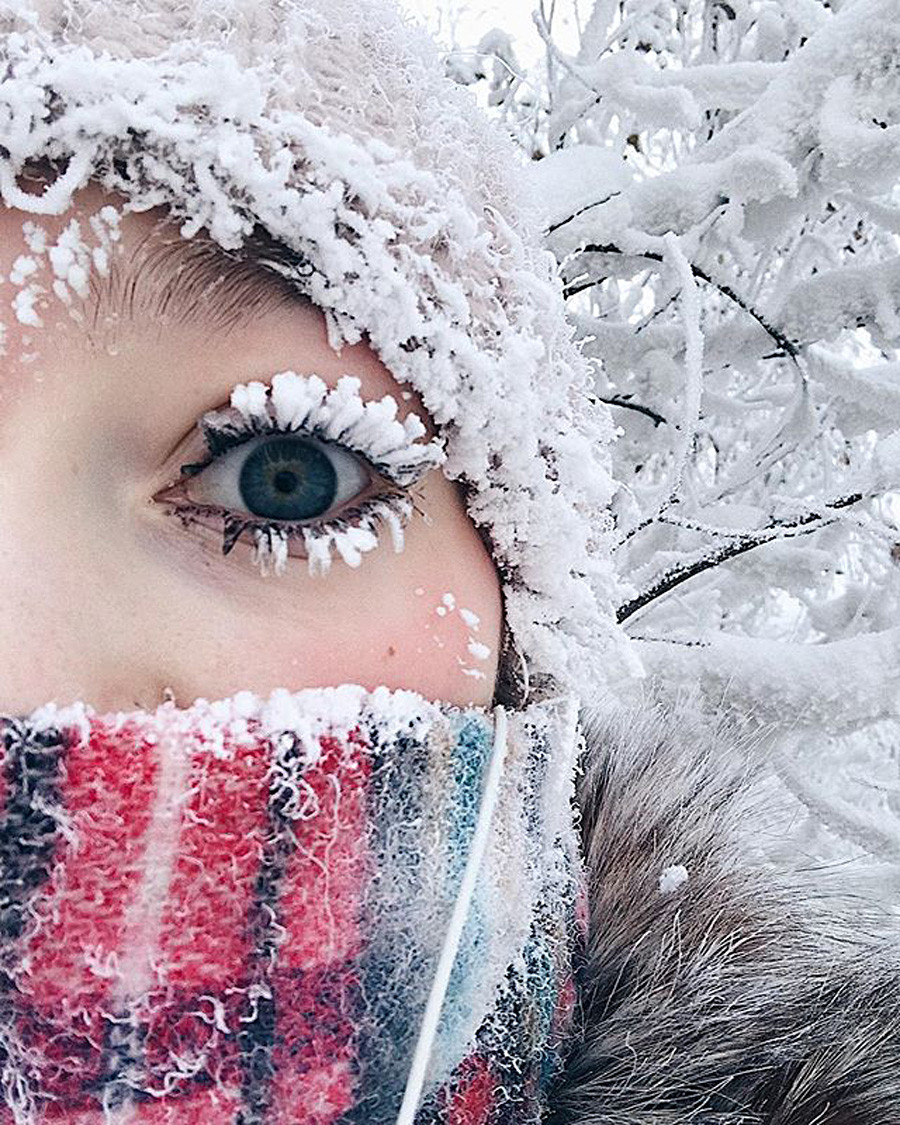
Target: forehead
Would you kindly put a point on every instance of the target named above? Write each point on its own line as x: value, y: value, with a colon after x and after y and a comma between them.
x: 99, y: 290
x: 137, y: 267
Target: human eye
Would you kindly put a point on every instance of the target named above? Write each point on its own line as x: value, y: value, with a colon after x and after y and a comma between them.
x: 301, y: 469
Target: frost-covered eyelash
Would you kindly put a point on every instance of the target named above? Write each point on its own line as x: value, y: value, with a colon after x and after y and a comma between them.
x: 352, y: 533
x: 304, y: 403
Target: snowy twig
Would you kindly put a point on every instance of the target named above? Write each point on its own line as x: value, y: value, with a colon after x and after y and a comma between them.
x: 581, y: 210
x: 835, y: 814
x: 627, y: 404
x: 779, y: 529
x: 838, y: 687
x: 787, y: 346
x: 693, y: 371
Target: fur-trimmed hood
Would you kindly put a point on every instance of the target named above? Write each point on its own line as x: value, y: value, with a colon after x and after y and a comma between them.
x: 715, y: 991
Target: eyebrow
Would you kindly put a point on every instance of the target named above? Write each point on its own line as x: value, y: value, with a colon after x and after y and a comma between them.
x: 185, y: 282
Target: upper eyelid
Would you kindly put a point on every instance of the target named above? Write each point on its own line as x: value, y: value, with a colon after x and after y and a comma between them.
x: 294, y: 403
x: 194, y: 468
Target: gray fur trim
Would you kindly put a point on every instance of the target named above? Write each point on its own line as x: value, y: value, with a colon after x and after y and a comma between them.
x: 734, y: 999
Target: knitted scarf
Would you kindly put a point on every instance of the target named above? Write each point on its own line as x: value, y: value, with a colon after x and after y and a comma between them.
x: 237, y: 912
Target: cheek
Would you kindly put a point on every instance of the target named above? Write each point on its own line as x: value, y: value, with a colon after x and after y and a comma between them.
x: 427, y: 619
x: 445, y: 610
x: 453, y: 627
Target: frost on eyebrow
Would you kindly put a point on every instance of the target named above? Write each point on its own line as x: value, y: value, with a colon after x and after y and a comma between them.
x: 64, y: 266
x: 340, y: 414
x: 164, y: 279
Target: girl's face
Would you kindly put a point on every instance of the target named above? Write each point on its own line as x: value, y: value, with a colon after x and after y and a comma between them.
x: 110, y: 597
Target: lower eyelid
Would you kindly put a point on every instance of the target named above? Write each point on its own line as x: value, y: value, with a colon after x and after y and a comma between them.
x: 231, y: 528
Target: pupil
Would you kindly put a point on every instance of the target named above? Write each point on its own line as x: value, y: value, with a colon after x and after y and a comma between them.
x: 285, y: 480
x: 288, y: 478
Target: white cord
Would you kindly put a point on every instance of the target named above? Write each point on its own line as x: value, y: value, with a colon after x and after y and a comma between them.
x: 453, y: 936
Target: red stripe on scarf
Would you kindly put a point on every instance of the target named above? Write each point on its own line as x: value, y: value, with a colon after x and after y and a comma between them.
x: 320, y: 905
x: 107, y: 799
x: 205, y: 937
x: 472, y: 1101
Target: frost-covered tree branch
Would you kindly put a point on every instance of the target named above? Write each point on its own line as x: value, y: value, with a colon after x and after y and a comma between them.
x: 719, y: 184
x: 833, y: 687
x: 734, y: 545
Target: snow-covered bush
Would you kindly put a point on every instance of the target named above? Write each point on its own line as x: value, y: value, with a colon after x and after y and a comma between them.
x: 719, y: 183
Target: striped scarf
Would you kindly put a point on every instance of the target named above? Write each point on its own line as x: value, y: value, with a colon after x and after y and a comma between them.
x: 232, y: 913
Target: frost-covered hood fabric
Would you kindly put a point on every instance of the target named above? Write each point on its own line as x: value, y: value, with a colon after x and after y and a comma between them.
x: 231, y: 913
x: 330, y: 124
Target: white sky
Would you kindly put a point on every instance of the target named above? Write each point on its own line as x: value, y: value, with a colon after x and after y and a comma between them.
x: 465, y: 21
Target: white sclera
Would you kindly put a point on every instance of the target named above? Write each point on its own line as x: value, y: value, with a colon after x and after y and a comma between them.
x: 218, y: 483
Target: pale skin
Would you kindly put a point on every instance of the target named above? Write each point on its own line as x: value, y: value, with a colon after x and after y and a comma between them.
x: 109, y: 599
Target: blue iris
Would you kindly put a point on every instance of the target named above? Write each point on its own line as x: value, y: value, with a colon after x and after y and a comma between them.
x: 288, y: 478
